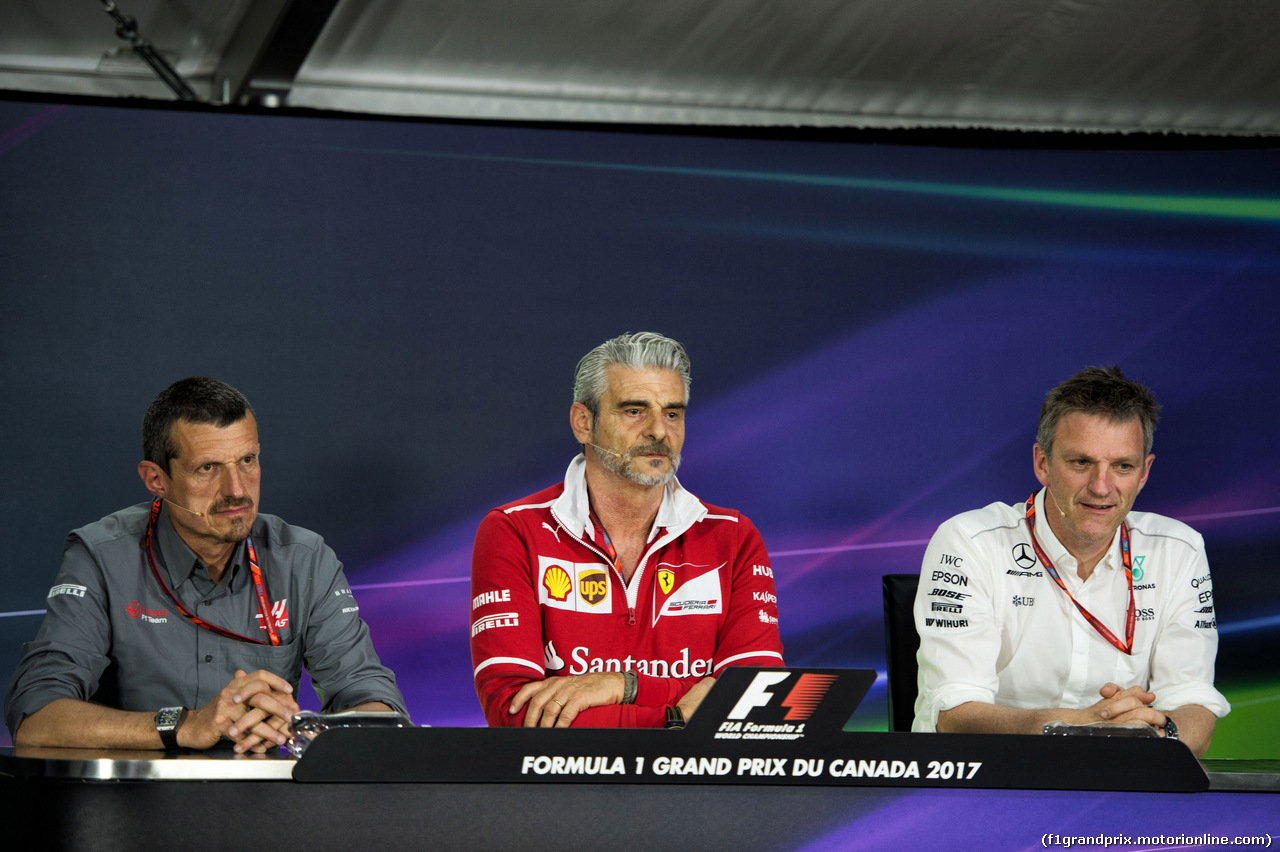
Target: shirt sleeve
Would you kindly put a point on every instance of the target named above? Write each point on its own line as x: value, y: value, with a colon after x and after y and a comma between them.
x: 70, y: 651
x: 749, y: 635
x: 959, y: 635
x: 1182, y: 664
x: 338, y: 650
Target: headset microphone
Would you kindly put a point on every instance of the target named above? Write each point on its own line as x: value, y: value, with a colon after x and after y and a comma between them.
x: 610, y: 452
x: 185, y: 509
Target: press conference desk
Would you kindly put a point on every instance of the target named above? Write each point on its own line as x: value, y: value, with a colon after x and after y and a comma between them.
x: 88, y: 799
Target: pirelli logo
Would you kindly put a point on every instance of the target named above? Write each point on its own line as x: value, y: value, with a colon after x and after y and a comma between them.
x: 502, y: 619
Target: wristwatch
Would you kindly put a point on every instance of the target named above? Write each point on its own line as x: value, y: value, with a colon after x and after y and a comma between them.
x: 168, y: 721
x: 1170, y: 728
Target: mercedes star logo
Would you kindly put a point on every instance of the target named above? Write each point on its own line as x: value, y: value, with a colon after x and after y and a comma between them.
x: 1023, y: 556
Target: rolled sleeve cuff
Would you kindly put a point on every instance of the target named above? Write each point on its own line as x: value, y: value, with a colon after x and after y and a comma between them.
x: 29, y: 703
x: 356, y: 694
x: 1173, y: 697
x: 944, y: 699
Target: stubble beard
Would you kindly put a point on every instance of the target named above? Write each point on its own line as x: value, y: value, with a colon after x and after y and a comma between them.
x: 622, y: 466
x: 240, y: 527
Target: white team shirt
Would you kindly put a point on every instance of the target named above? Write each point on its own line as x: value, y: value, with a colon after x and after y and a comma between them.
x: 995, y: 628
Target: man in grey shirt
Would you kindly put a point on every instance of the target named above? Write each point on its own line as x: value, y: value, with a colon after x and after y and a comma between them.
x: 186, y: 620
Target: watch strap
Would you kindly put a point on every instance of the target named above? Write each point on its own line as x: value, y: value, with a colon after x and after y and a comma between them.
x: 675, y: 718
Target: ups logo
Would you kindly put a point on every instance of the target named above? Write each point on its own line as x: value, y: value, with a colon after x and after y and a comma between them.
x: 593, y: 586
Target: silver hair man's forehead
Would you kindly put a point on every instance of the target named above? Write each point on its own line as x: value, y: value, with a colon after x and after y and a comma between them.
x: 639, y: 350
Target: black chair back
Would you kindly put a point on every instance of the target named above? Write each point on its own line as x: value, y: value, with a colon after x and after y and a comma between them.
x: 901, y: 643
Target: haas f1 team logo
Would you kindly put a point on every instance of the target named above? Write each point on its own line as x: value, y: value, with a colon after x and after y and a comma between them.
x: 279, y: 615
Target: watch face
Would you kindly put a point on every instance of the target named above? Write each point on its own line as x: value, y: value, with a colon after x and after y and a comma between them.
x: 168, y: 717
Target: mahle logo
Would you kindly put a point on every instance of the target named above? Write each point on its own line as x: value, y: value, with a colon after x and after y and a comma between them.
x: 593, y: 586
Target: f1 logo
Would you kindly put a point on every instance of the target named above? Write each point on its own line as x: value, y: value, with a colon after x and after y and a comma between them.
x: 757, y: 694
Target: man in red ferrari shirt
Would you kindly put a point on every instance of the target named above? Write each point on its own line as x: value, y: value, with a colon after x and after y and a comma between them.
x: 615, y: 598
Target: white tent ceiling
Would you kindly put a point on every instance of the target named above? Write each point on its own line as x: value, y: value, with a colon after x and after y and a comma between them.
x: 1183, y: 66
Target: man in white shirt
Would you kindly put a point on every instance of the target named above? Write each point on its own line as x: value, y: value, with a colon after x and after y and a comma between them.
x: 1070, y: 607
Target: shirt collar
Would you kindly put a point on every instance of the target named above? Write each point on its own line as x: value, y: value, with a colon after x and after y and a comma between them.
x: 1058, y: 553
x: 179, y: 561
x: 678, y: 511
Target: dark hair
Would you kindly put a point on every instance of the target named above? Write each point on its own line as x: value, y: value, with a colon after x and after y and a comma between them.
x: 1099, y: 390
x: 195, y: 400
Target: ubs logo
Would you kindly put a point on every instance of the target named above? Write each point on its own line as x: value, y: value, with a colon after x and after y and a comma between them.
x: 1023, y: 556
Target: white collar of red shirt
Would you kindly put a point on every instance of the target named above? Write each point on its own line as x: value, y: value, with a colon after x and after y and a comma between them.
x: 679, y: 510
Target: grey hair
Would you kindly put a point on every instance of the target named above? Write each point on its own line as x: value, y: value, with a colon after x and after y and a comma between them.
x: 1103, y: 391
x: 641, y: 350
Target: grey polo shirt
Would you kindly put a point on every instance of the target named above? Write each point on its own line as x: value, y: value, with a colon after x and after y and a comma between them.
x: 112, y: 636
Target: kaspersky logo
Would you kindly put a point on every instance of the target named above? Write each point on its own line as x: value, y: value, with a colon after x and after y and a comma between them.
x: 800, y: 700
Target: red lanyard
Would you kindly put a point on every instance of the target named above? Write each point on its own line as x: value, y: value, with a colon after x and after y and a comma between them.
x: 264, y: 605
x: 601, y: 540
x: 1127, y: 646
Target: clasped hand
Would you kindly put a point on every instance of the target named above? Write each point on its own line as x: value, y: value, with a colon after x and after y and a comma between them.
x: 1126, y: 706
x: 253, y: 710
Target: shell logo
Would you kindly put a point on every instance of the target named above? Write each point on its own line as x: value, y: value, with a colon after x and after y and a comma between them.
x: 557, y: 583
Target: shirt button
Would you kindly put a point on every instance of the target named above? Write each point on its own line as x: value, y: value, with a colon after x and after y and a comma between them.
x: 208, y: 658
x: 206, y: 603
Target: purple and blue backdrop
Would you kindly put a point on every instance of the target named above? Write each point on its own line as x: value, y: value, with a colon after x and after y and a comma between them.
x: 872, y: 327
